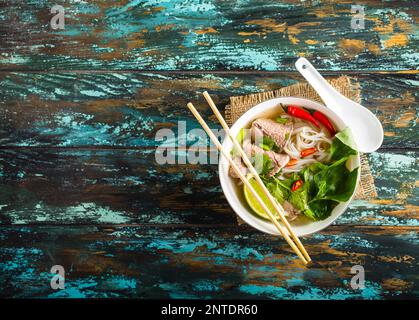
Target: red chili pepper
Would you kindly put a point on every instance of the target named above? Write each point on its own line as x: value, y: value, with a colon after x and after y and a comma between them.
x: 296, y: 185
x: 291, y: 163
x: 325, y: 121
x: 302, y: 114
x: 308, y: 152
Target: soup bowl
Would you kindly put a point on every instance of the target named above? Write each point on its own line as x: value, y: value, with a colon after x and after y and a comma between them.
x: 234, y: 193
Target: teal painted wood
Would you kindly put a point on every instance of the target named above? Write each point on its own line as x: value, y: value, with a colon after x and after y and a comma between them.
x: 93, y: 186
x: 127, y: 109
x: 137, y: 262
x: 208, y: 35
x: 123, y: 226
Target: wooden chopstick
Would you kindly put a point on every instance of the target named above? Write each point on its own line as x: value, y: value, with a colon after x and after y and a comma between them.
x: 278, y: 208
x: 245, y: 181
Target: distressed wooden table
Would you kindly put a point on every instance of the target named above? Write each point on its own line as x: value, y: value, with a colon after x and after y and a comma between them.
x: 79, y: 184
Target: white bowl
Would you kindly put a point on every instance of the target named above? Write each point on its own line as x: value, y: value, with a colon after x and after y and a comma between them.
x: 234, y: 194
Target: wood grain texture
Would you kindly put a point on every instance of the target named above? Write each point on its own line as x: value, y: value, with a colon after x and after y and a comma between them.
x: 208, y: 35
x: 138, y: 262
x: 127, y: 109
x: 79, y: 113
x: 95, y: 186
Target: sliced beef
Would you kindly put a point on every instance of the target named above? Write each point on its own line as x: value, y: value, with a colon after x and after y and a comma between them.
x: 274, y: 130
x: 240, y: 165
x: 291, y: 210
x: 278, y: 160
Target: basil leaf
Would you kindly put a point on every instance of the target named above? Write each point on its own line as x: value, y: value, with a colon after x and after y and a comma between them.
x: 342, y: 146
x: 322, y: 209
x: 336, y: 182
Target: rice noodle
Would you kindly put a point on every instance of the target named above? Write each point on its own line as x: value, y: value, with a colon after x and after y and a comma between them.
x: 304, y: 136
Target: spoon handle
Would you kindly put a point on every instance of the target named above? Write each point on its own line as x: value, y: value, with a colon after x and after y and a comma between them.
x: 328, y: 94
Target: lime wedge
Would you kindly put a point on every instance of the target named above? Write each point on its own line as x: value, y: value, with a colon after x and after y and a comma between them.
x: 253, y: 203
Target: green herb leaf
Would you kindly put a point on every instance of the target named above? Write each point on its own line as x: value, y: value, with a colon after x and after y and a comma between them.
x: 265, y: 147
x: 280, y: 193
x: 336, y: 182
x: 322, y: 209
x: 240, y: 138
x: 262, y: 163
x: 268, y: 144
x: 342, y: 146
x: 241, y: 135
x: 282, y: 120
x: 267, y: 165
x: 299, y: 198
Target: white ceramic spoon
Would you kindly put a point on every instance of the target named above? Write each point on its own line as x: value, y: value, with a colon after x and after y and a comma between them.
x: 366, y: 128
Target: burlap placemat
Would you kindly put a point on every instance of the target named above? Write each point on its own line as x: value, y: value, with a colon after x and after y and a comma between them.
x: 345, y: 85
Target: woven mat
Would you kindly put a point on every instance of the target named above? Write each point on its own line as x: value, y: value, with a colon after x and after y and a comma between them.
x: 345, y: 85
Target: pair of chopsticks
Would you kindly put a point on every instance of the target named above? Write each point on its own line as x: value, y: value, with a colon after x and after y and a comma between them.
x: 297, y: 246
